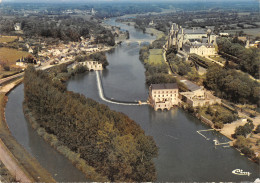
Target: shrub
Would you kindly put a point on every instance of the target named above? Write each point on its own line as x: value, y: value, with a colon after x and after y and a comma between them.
x: 248, y: 152
x: 219, y: 125
x: 241, y: 142
x: 7, y: 68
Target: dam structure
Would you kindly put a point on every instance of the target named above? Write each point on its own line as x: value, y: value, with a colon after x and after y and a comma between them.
x: 112, y: 101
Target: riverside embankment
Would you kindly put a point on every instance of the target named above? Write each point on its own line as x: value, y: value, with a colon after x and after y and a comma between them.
x: 17, y: 160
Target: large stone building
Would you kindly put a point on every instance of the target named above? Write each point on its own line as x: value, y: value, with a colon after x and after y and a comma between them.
x: 194, y: 40
x: 163, y: 96
x: 91, y: 65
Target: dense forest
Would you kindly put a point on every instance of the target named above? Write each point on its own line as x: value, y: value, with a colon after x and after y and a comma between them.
x: 248, y: 59
x: 109, y: 141
x: 232, y: 85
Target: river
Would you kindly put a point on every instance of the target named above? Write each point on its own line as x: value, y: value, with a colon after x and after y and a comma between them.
x: 184, y: 155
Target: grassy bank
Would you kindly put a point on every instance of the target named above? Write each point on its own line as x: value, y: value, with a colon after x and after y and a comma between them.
x: 26, y: 162
x: 157, y: 33
x: 11, y: 55
x: 155, y: 57
x: 5, y: 174
x: 78, y: 162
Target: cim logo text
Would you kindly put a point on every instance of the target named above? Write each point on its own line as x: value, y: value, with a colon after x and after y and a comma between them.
x: 240, y: 172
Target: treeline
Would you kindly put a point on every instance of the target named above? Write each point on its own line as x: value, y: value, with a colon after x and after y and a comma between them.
x: 244, y: 144
x: 232, y: 85
x: 109, y: 141
x: 108, y: 10
x: 248, y: 59
x: 65, y: 28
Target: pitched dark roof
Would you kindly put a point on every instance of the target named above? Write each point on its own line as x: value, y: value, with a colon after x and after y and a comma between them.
x: 164, y: 86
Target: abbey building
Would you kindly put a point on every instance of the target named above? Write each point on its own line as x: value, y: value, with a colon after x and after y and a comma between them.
x: 188, y: 41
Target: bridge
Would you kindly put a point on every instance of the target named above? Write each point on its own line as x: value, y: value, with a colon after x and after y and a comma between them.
x: 112, y: 101
x: 139, y: 41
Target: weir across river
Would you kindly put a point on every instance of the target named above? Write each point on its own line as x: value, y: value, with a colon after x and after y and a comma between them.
x: 112, y: 101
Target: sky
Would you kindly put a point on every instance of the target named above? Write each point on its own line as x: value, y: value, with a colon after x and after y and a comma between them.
x: 85, y: 1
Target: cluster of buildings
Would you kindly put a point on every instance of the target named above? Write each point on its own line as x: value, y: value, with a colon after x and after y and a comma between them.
x: 78, y: 11
x: 188, y: 41
x: 66, y: 52
x: 166, y: 96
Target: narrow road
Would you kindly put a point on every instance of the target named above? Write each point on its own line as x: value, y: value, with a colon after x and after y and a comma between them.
x: 12, y: 164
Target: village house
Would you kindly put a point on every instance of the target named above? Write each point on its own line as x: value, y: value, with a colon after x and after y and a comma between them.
x: 163, y: 96
x: 21, y: 63
x: 18, y: 27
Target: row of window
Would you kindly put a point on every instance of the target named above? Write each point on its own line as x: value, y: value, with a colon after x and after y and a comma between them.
x: 165, y: 95
x: 165, y: 92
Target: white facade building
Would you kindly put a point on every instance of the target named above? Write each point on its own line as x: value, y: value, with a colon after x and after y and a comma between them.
x: 190, y: 41
x: 18, y: 26
x: 91, y: 65
x: 163, y: 96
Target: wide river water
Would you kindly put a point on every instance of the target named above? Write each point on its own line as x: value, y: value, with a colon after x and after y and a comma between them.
x: 184, y: 154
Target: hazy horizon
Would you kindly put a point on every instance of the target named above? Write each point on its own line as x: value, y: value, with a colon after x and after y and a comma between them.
x: 134, y: 1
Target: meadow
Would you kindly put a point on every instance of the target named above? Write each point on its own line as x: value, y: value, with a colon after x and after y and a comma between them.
x: 10, y: 56
x: 155, y: 57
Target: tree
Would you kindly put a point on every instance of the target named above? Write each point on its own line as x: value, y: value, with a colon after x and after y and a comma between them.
x: 7, y: 68
x: 243, y: 130
x: 248, y: 152
x: 241, y: 142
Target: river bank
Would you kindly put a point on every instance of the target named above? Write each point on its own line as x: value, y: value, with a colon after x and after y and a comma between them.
x: 53, y: 141
x: 17, y: 160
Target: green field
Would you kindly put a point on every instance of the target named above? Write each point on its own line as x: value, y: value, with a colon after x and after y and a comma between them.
x: 157, y: 33
x: 7, y: 39
x: 10, y: 55
x: 155, y: 57
x: 250, y: 32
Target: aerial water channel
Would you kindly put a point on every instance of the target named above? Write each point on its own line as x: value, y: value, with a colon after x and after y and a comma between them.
x: 184, y: 154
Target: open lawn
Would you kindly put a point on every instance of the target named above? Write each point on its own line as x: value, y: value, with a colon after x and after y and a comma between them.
x: 7, y: 39
x: 10, y: 55
x: 155, y: 56
x: 157, y: 33
x: 251, y: 32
